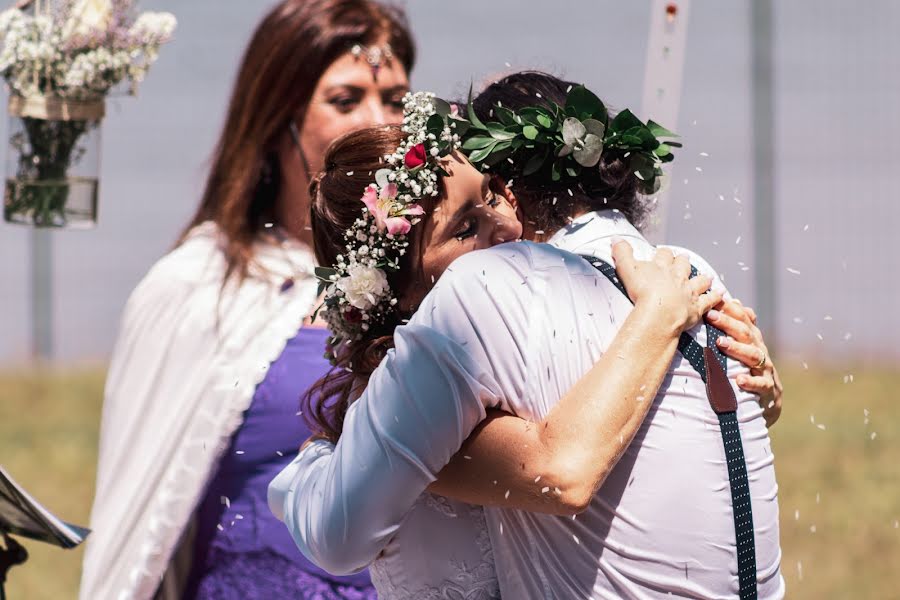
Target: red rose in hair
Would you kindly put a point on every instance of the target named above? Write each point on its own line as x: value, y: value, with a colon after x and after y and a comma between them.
x: 352, y: 315
x: 415, y: 157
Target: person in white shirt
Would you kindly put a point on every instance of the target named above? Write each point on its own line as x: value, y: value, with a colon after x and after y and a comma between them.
x: 517, y: 326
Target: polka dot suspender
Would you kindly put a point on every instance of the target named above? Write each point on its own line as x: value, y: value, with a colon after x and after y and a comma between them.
x: 711, y: 365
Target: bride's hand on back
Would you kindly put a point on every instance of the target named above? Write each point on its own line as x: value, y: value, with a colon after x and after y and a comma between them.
x: 664, y: 285
x: 743, y: 341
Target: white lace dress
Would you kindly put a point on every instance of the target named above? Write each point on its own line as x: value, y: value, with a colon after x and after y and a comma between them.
x: 363, y: 502
x: 462, y: 570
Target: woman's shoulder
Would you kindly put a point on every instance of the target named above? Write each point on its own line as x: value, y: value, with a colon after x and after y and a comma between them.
x: 199, y: 256
x: 195, y: 264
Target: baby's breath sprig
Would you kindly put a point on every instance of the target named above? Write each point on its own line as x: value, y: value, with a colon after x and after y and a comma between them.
x: 358, y: 296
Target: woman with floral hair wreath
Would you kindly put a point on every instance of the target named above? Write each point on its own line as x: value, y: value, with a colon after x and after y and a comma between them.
x: 348, y: 503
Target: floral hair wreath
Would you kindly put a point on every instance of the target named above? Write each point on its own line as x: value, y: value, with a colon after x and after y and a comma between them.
x: 556, y: 142
x: 559, y: 142
x: 357, y: 294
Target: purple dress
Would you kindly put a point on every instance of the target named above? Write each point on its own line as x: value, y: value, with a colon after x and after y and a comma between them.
x: 241, y: 550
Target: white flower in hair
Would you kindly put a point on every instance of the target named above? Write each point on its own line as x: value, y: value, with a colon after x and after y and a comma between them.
x: 357, y: 294
x: 363, y: 286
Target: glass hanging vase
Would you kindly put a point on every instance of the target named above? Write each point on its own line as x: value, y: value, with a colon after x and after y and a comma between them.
x: 53, y: 161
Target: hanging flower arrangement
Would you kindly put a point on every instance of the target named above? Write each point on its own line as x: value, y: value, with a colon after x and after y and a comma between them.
x: 60, y: 60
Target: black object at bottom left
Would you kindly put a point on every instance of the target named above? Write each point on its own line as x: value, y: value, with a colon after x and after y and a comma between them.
x: 21, y: 515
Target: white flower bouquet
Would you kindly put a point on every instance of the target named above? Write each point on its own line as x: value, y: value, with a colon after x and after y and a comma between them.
x: 60, y: 60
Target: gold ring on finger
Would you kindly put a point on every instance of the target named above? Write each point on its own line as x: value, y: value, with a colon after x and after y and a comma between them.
x: 762, y: 361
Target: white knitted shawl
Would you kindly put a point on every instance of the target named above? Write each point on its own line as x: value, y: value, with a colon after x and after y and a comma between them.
x: 185, y: 367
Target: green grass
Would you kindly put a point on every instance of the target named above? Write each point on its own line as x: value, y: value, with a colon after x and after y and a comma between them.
x: 48, y: 441
x: 844, y: 483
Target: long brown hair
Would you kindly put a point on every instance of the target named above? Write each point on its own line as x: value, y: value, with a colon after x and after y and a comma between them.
x: 289, y: 51
x: 350, y: 166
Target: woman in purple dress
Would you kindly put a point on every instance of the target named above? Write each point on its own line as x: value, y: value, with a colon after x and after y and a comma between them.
x: 214, y: 351
x: 241, y: 550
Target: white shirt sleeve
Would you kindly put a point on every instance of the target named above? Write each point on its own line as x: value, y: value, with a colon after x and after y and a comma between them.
x: 457, y: 356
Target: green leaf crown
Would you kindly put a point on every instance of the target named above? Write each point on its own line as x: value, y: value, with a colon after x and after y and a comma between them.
x: 564, y: 142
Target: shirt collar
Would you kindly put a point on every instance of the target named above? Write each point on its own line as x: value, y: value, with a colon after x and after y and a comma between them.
x: 590, y: 227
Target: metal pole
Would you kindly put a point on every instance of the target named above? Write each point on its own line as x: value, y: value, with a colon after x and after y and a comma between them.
x: 763, y: 132
x: 41, y: 294
x: 663, y: 76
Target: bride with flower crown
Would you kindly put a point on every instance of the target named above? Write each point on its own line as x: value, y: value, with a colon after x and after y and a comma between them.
x: 525, y: 382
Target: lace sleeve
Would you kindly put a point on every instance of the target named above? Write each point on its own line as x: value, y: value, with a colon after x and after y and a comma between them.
x: 343, y: 505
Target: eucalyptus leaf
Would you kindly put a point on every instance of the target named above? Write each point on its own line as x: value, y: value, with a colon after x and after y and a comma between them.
x: 435, y: 124
x: 473, y: 118
x: 652, y: 186
x: 586, y: 104
x: 643, y: 166
x: 498, y: 155
x: 660, y: 131
x: 534, y: 164
x: 662, y: 150
x: 325, y: 273
x: 498, y: 132
x: 556, y: 170
x: 441, y: 107
x: 624, y: 121
x: 479, y: 155
x: 315, y: 314
x: 545, y: 121
x: 530, y: 132
x: 461, y: 127
x: 502, y: 145
x: 595, y: 127
x: 532, y: 115
x: 504, y: 115
x: 573, y: 131
x: 589, y: 154
x: 477, y: 142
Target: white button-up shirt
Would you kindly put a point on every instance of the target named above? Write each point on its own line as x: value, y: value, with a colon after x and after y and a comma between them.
x: 516, y: 326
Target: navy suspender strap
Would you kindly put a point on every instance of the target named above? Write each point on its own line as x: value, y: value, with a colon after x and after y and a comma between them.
x: 711, y: 365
